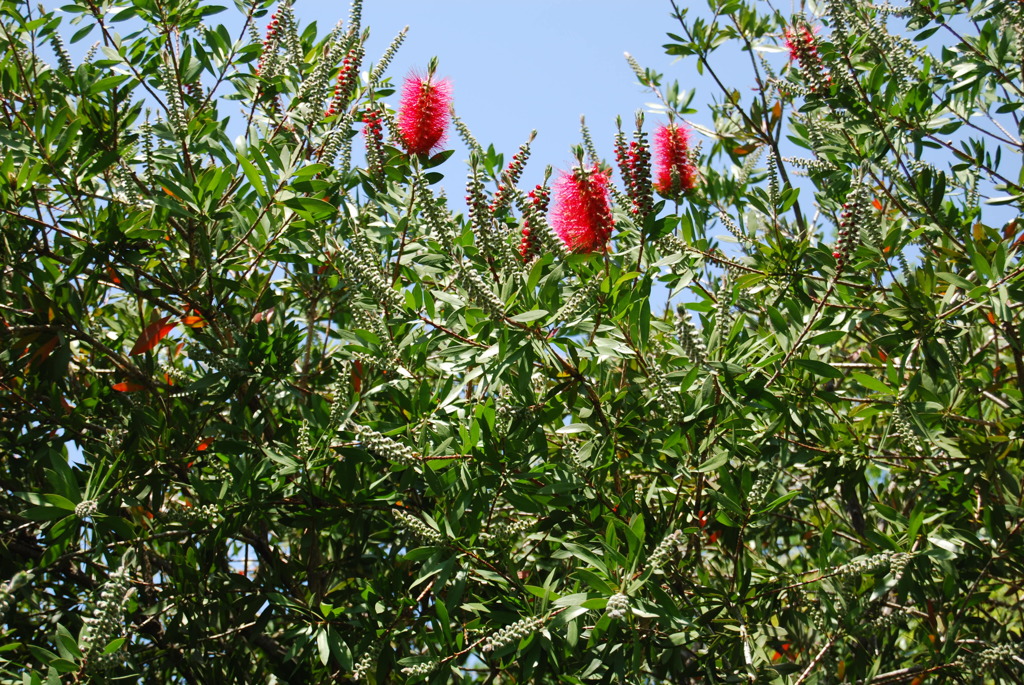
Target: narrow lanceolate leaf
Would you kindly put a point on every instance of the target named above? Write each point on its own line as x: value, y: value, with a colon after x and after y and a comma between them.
x: 151, y: 335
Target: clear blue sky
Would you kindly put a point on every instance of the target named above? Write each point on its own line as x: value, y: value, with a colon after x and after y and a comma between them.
x: 524, y: 65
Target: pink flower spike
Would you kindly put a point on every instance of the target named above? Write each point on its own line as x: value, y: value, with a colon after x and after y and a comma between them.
x: 582, y: 216
x: 423, y: 113
x: 676, y: 173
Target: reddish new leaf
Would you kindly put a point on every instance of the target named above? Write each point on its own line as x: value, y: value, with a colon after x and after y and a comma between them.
x: 43, y: 352
x: 153, y: 334
x: 127, y: 386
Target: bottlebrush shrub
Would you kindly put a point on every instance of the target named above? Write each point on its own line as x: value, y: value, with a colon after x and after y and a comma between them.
x: 273, y: 409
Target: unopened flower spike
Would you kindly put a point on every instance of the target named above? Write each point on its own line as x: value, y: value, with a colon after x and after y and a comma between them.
x: 532, y: 234
x: 389, y: 54
x: 856, y: 213
x: 374, y: 133
x: 424, y: 111
x: 634, y: 161
x: 511, y: 175
x: 348, y: 75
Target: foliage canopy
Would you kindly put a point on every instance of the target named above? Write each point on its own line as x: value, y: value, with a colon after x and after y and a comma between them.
x: 273, y: 410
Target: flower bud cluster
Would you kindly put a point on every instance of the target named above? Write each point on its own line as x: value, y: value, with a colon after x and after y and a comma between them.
x: 817, y: 165
x: 175, y: 108
x: 529, y: 246
x: 338, y: 391
x: 426, y: 668
x: 583, y: 296
x: 90, y: 53
x: 480, y: 215
x: 988, y: 659
x: 510, y: 176
x: 337, y: 141
x: 894, y: 562
x: 507, y: 529
x: 890, y: 619
x: 439, y: 221
x: 107, y: 620
x: 666, y: 397
x: 672, y: 544
x: 670, y: 244
x: 512, y: 633
x: 186, y: 514
x: 690, y: 338
x: 466, y: 135
x: 348, y: 75
x: 374, y: 322
x: 634, y: 161
x: 723, y: 316
x: 146, y: 133
x: 389, y: 54
x: 482, y: 294
x: 230, y: 366
x: 749, y: 164
x: 362, y: 666
x: 288, y: 25
x: 63, y: 56
x: 369, y: 275
x: 302, y: 444
x: 418, y: 529
x: 385, y: 447
x: 374, y: 133
x: 7, y: 590
x: 759, y: 490
x: 618, y: 606
x: 268, y: 63
x: 853, y: 218
x: 86, y: 508
x: 905, y: 430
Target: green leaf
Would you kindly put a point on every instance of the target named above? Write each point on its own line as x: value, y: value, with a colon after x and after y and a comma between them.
x: 531, y: 315
x: 819, y: 368
x: 253, y: 175
x: 575, y: 599
x: 958, y: 281
x: 44, y: 513
x: 871, y: 383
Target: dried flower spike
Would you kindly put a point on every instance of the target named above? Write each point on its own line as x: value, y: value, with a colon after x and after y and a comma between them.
x: 676, y: 173
x: 582, y: 216
x: 423, y: 114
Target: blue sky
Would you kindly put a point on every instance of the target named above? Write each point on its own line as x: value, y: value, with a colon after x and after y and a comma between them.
x: 524, y: 65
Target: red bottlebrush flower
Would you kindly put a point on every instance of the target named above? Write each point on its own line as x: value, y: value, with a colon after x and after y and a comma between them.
x: 803, y: 49
x: 800, y: 41
x: 582, y: 216
x: 423, y: 114
x: 676, y: 173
